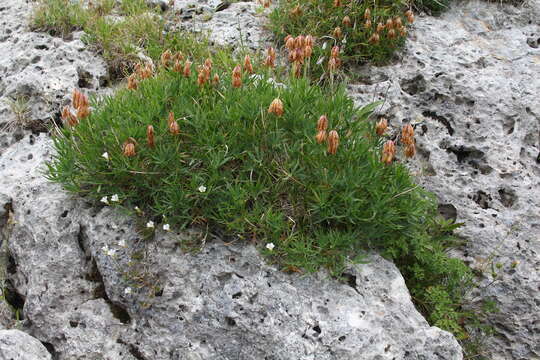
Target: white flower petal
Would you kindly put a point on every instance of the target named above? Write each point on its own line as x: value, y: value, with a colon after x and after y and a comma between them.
x: 202, y: 188
x: 270, y: 246
x: 104, y: 200
x: 150, y: 224
x: 105, y: 155
x: 115, y: 198
x: 166, y: 227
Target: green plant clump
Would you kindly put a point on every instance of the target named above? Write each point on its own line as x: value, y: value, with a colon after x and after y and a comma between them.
x: 365, y: 31
x: 119, y: 31
x: 237, y: 161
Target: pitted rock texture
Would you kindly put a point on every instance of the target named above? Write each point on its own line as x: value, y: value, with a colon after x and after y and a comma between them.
x: 39, y: 71
x: 94, y: 288
x: 17, y: 345
x: 470, y: 82
x: 227, y: 23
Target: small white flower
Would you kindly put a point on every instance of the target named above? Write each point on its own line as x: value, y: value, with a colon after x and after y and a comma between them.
x: 324, y: 46
x: 150, y: 224
x: 270, y: 246
x: 115, y: 198
x: 122, y: 243
x: 111, y: 252
x: 127, y: 291
x: 105, y: 200
x: 166, y: 227
x: 105, y: 155
x: 105, y: 248
x: 202, y: 188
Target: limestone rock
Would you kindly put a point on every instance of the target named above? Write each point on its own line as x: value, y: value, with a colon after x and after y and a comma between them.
x: 469, y: 81
x: 17, y: 345
x: 40, y: 71
x: 94, y: 287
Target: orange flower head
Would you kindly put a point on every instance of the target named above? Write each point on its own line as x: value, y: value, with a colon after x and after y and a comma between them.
x: 269, y: 62
x: 367, y: 14
x: 320, y: 137
x: 389, y: 150
x: 308, y: 51
x: 132, y: 82
x: 410, y: 16
x: 166, y: 58
x: 289, y: 43
x: 170, y: 119
x: 391, y: 33
x: 332, y: 64
x: 381, y: 127
x: 129, y: 149
x: 389, y: 24
x: 380, y: 27
x: 187, y: 69
x: 367, y: 24
x: 374, y: 39
x: 333, y: 142
x: 300, y: 41
x: 338, y: 33
x: 69, y: 117
x: 322, y: 123
x: 347, y: 21
x: 297, y: 11
x: 410, y: 150
x: 208, y: 64
x: 150, y: 136
x: 248, y: 67
x: 276, y: 107
x: 216, y: 79
x: 237, y: 76
x: 407, y: 134
x: 174, y: 128
x: 335, y: 52
x: 83, y: 112
x: 398, y: 22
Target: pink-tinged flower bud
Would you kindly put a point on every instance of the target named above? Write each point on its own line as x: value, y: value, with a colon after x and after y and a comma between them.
x: 333, y: 142
x: 381, y: 127
x: 276, y: 107
x: 322, y: 123
x: 389, y: 150
x: 150, y: 136
x: 321, y: 137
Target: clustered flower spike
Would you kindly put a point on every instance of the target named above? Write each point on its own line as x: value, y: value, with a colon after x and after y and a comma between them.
x: 270, y: 60
x: 407, y: 138
x: 335, y: 62
x: 333, y: 142
x: 150, y: 136
x: 128, y: 148
x: 381, y: 127
x: 174, y: 128
x: 237, y: 77
x: 389, y: 150
x: 299, y: 48
x: 276, y: 107
x: 248, y: 67
x: 81, y: 107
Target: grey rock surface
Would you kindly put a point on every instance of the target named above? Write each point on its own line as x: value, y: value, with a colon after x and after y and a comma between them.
x: 39, y: 71
x: 17, y: 345
x: 93, y: 287
x: 227, y: 23
x: 470, y: 82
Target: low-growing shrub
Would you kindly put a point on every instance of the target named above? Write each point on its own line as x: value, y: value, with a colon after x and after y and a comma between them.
x: 121, y: 31
x: 303, y: 173
x: 364, y: 31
